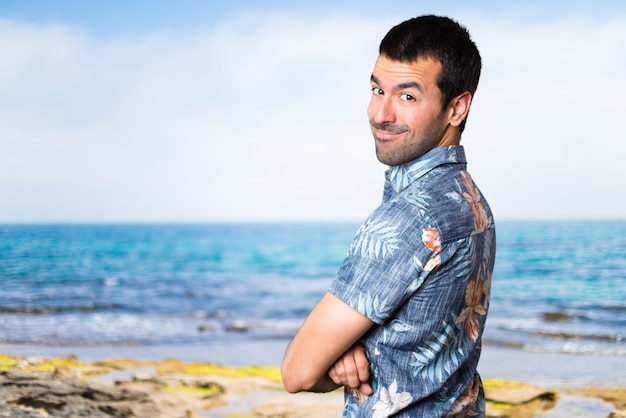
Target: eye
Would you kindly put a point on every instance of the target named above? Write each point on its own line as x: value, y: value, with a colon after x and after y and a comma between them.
x: 377, y: 91
x: 407, y: 97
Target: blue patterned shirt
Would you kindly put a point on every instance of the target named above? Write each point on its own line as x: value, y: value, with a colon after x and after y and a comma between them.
x: 420, y: 267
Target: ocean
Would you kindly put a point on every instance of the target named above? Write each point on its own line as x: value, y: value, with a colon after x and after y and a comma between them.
x: 558, y: 287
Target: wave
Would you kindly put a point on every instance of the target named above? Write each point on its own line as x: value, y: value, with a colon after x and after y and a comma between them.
x: 54, y: 310
x: 565, y: 346
x: 577, y: 336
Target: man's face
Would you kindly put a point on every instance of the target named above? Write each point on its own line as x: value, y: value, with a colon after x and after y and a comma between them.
x: 405, y: 110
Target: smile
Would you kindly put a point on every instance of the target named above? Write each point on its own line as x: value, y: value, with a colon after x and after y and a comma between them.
x: 387, y: 131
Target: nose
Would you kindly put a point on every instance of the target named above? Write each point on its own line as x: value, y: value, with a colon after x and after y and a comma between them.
x: 381, y: 110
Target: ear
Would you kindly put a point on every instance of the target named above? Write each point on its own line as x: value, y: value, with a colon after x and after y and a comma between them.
x: 459, y: 108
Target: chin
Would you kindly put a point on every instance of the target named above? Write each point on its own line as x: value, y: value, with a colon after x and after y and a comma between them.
x: 391, y: 162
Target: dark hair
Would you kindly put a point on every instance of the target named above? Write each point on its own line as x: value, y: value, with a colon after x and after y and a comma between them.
x: 444, y: 40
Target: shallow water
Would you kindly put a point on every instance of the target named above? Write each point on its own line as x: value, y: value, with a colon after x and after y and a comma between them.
x: 570, y: 406
x: 552, y: 370
x: 557, y: 286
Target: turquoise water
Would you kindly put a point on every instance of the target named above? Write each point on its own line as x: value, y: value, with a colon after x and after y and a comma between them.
x: 557, y: 286
x: 561, y: 286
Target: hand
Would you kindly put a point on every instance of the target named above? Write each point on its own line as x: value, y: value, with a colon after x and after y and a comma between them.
x: 352, y: 371
x: 312, y: 352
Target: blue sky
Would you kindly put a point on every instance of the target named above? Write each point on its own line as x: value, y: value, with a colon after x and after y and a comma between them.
x: 137, y: 111
x: 119, y: 16
x: 127, y: 18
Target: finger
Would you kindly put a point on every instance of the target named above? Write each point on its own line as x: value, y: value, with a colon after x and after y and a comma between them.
x: 337, y: 374
x: 351, y: 372
x: 333, y: 376
x: 361, y: 363
x: 366, y: 389
x: 362, y: 367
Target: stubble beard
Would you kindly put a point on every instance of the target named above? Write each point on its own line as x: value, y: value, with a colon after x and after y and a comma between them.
x: 411, y: 146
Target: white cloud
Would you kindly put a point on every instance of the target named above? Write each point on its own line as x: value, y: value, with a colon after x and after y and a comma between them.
x: 263, y: 118
x: 248, y: 120
x: 546, y: 118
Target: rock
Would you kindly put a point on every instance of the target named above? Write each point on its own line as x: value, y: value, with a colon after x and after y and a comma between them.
x: 519, y: 400
x: 238, y: 326
x: 518, y: 395
x: 35, y: 395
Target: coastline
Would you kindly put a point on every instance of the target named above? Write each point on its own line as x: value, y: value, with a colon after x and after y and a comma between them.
x: 551, y: 385
x: 549, y: 369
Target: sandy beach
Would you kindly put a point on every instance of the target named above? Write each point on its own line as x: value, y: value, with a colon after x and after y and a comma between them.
x: 148, y: 382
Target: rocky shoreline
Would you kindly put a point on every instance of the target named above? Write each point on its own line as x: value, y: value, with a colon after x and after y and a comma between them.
x: 65, y: 387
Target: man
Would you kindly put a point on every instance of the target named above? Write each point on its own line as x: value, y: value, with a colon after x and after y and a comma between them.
x: 400, y: 327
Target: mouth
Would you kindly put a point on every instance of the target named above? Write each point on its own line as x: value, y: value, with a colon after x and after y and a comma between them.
x: 385, y: 136
x: 387, y: 132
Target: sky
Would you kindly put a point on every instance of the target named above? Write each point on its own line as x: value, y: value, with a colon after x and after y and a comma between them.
x: 246, y: 111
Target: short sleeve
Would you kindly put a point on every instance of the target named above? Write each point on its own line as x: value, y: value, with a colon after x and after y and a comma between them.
x: 388, y: 260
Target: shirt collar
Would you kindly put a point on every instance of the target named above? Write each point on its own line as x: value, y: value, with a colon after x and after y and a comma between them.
x: 400, y: 177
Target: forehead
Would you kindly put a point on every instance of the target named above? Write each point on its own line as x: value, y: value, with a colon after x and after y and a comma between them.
x: 423, y: 71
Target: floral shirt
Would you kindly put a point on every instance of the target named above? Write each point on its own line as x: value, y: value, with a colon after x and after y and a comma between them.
x: 420, y: 267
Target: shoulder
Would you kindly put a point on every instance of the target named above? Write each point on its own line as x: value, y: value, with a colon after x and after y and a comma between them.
x: 448, y: 200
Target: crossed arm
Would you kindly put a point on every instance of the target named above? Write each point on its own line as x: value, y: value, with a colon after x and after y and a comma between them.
x: 325, y: 353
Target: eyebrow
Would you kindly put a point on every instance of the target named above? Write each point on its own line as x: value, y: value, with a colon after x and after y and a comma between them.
x: 401, y: 86
x: 409, y: 85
